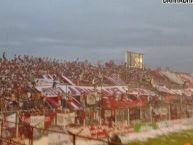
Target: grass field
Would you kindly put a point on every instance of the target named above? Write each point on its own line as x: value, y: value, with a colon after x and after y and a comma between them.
x: 172, y: 139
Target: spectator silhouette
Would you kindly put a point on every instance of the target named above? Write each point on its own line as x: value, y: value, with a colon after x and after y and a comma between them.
x: 4, y: 56
x: 115, y: 140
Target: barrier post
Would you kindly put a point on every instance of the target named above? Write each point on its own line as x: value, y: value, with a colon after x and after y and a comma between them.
x: 169, y: 112
x: 151, y: 115
x: 1, y: 127
x: 140, y: 113
x: 32, y: 138
x: 29, y: 141
x: 17, y: 124
x: 128, y: 119
x: 2, y: 124
x: 74, y: 139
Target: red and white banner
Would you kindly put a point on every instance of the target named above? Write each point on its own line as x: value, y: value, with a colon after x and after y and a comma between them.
x: 39, y: 121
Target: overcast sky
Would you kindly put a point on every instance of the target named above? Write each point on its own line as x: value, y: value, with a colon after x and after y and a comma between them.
x: 99, y: 30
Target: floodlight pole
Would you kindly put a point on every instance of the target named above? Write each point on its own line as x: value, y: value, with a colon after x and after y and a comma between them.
x: 100, y: 102
x: 126, y: 72
x: 127, y: 83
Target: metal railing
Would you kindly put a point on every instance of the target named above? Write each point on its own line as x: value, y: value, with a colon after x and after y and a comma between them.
x: 30, y: 138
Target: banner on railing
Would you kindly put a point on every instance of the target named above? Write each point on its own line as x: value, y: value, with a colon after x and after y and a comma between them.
x: 65, y: 119
x: 12, y: 120
x: 91, y: 100
x: 37, y: 121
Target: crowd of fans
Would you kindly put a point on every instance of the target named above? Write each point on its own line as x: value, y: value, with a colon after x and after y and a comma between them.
x: 18, y: 80
x: 17, y: 77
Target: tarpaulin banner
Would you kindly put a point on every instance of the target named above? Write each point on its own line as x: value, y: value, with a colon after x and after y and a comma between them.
x: 64, y: 119
x: 37, y: 121
x: 91, y: 100
x: 11, y: 119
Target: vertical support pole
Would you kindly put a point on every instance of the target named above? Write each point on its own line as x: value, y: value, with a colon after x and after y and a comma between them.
x: 143, y: 61
x: 1, y: 127
x: 187, y: 113
x: 100, y: 112
x: 116, y: 112
x: 151, y: 117
x: 128, y: 121
x: 65, y: 99
x: 29, y: 141
x: 84, y: 118
x: 100, y: 103
x: 28, y: 127
x: 56, y: 119
x: 29, y: 135
x: 169, y: 112
x: 17, y: 124
x: 32, y: 138
x: 140, y: 109
x: 74, y: 139
x: 181, y: 112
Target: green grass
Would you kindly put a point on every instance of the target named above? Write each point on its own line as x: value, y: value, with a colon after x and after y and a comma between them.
x: 172, y: 139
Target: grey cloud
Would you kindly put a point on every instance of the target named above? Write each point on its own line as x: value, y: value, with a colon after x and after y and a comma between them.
x: 99, y: 30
